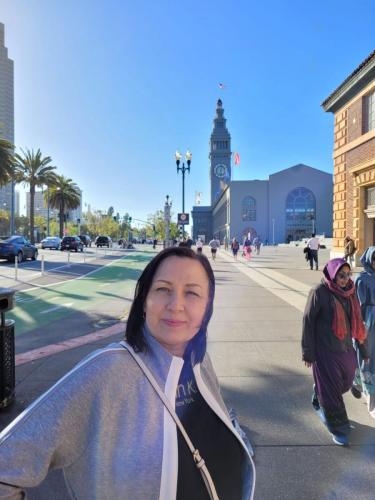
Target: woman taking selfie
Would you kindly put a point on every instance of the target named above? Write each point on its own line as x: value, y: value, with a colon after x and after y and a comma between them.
x: 331, y: 321
x: 106, y: 424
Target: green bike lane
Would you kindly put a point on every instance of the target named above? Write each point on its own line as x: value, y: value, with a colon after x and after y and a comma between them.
x: 95, y: 293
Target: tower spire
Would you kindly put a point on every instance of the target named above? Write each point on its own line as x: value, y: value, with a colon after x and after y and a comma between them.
x: 220, y: 154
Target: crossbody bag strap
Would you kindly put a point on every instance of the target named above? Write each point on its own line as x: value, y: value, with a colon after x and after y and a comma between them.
x: 198, y: 460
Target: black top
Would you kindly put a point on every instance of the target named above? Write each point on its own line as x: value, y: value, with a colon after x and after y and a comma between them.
x: 317, y: 324
x: 220, y: 449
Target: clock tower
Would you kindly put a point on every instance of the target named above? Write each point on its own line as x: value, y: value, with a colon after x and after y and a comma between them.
x: 220, y: 155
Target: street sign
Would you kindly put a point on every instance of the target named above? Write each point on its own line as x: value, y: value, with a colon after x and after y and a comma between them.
x: 183, y: 218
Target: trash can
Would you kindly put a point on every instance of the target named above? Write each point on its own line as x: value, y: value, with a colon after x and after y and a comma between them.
x: 7, y: 349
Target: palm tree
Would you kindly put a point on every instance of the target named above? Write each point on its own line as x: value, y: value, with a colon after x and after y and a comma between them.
x: 32, y: 169
x: 63, y: 194
x: 6, y: 162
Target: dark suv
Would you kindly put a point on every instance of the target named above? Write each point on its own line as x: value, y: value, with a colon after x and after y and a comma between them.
x: 103, y: 241
x: 71, y: 243
x: 86, y: 240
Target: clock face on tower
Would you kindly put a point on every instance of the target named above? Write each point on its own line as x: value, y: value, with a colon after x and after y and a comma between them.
x: 220, y: 170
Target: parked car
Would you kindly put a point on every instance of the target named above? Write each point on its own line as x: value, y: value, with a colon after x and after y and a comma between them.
x: 71, y: 243
x: 51, y: 242
x: 103, y: 241
x: 17, y: 247
x: 86, y: 240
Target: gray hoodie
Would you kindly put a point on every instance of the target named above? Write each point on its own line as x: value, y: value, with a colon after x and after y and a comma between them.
x: 104, y: 425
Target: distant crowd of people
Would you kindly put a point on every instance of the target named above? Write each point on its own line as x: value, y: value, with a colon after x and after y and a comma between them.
x: 248, y: 246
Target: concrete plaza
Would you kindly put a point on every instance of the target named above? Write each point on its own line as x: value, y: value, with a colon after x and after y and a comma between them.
x: 254, y: 342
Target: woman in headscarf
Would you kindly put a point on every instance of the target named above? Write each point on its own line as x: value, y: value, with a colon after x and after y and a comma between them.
x: 365, y: 374
x: 331, y: 320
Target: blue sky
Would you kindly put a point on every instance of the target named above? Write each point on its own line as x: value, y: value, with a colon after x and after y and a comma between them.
x: 110, y: 89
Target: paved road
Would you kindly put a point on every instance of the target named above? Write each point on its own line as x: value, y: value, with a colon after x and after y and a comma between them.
x: 254, y: 341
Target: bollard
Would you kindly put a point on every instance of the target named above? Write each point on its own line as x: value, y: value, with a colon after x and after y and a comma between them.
x: 68, y: 257
x: 7, y: 349
x: 16, y: 268
x: 42, y: 265
x: 84, y: 255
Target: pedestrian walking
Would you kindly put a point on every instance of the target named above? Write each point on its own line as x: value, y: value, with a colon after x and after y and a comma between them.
x: 214, y: 244
x: 124, y: 423
x: 189, y: 242
x: 313, y: 246
x: 332, y: 319
x: 247, y: 249
x: 235, y: 246
x: 199, y: 245
x: 365, y: 373
x: 257, y: 244
x: 226, y: 243
x: 349, y: 250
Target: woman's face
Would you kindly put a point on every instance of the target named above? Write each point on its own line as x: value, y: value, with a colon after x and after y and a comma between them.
x: 343, y: 276
x: 176, y: 303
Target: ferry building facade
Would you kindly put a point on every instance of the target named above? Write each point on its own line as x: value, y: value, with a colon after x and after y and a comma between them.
x: 289, y: 205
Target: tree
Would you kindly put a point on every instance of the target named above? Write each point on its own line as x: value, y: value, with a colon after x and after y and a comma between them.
x: 35, y: 170
x: 4, y: 222
x: 157, y: 219
x: 6, y: 162
x: 98, y: 223
x: 64, y: 195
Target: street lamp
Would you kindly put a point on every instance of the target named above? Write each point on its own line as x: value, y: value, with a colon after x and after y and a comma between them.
x: 183, y: 169
x: 167, y: 219
x: 6, y: 209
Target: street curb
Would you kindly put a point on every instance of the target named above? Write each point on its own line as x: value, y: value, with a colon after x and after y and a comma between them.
x: 49, y: 350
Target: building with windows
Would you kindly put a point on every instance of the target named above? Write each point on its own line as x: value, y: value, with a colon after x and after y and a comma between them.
x: 40, y: 206
x: 289, y: 205
x: 353, y: 106
x: 6, y: 112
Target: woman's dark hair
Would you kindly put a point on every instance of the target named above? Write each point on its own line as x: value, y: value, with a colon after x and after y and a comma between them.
x: 134, y: 328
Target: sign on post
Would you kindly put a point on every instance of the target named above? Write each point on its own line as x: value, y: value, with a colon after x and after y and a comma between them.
x: 183, y: 219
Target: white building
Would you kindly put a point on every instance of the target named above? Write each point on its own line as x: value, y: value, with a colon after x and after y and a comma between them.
x: 40, y: 206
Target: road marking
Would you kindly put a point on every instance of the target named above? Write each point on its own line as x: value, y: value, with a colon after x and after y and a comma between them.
x: 36, y: 285
x: 43, y: 352
x: 296, y: 296
x: 64, y: 272
x: 46, y: 311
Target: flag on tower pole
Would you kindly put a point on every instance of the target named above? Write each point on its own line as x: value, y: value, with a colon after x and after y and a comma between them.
x: 237, y: 158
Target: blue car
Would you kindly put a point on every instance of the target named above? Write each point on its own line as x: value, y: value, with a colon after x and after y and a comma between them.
x: 17, y: 247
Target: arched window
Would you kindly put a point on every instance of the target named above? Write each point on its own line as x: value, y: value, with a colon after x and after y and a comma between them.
x: 300, y: 214
x: 248, y: 208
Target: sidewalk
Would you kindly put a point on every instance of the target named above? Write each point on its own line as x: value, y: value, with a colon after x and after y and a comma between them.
x: 254, y: 342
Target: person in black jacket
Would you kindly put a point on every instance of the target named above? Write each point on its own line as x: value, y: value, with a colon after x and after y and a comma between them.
x: 331, y: 320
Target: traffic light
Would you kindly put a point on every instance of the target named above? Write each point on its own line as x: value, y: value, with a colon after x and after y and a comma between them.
x: 115, y: 218
x: 130, y: 220
x: 153, y: 227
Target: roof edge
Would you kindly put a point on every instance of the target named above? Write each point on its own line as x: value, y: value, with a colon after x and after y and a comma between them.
x: 364, y: 68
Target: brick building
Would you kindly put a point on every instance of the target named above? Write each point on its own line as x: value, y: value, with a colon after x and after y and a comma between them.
x: 353, y: 106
